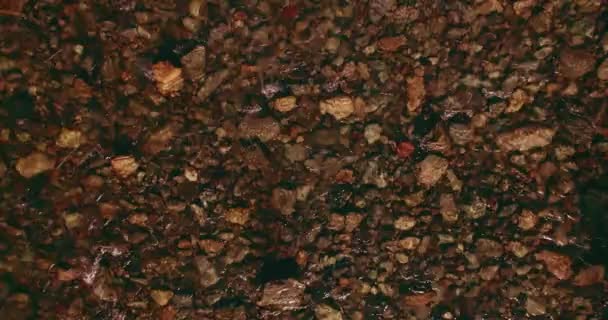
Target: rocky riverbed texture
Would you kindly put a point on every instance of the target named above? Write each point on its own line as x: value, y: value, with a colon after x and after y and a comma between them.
x: 303, y: 159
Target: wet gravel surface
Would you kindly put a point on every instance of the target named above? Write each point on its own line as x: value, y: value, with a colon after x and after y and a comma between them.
x: 303, y: 159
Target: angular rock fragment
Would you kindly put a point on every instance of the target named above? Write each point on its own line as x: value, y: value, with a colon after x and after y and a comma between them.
x: 211, y: 84
x: 558, y: 264
x: 525, y: 138
x: 283, y: 295
x: 265, y: 129
x: 34, y: 164
x: 431, y: 170
x: 168, y: 78
x: 339, y: 107
x: 194, y: 63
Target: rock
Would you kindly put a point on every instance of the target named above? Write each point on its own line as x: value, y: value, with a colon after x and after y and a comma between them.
x: 325, y: 312
x: 138, y: 219
x: 210, y: 246
x: 352, y: 221
x: 486, y: 7
x: 409, y: 243
x: 168, y: 78
x: 211, y: 84
x: 419, y: 300
x: 518, y: 249
x: 448, y: 209
x: 159, y: 140
x: 391, y: 44
x: 161, y: 297
x: 265, y: 129
x: 285, y: 104
x: 208, y: 275
x: 194, y: 63
x: 374, y: 175
x: 65, y: 275
x: 475, y: 210
x: 518, y: 99
x: 488, y: 273
x: 405, y: 223
x: 558, y: 264
x: 284, y: 295
x: 336, y: 222
x: 34, y: 164
x: 372, y: 133
x: 431, y: 170
x: 296, y: 152
x: 535, y: 308
x: 575, y: 63
x: 527, y: 220
x: 415, y: 92
x: 380, y: 8
x: 525, y: 138
x: 73, y: 220
x: 488, y: 248
x: 339, y: 107
x: 70, y: 139
x: 283, y: 200
x: 124, y: 166
x: 523, y: 8
x: 589, y: 276
x: 602, y: 70
x: 405, y: 149
x: 238, y: 216
x: 460, y: 133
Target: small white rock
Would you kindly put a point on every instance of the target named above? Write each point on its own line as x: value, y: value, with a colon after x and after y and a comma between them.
x: 373, y: 133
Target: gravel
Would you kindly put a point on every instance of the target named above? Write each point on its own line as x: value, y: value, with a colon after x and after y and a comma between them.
x: 381, y: 159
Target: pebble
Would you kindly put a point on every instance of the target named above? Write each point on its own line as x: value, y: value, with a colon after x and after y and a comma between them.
x: 296, y: 152
x: 208, y: 274
x: 431, y: 170
x: 161, y: 297
x: 409, y: 243
x: 415, y: 92
x: 372, y: 133
x: 535, y: 308
x: 284, y: 295
x: 34, y: 164
x: 70, y: 139
x: 527, y: 220
x: 265, y: 129
x: 285, y: 104
x: 575, y: 63
x: 557, y: 264
x: 168, y: 78
x: 194, y: 63
x: 339, y: 107
x: 325, y: 312
x: 238, y: 216
x: 589, y: 276
x: 448, y: 209
x: 283, y: 200
x: 124, y: 166
x: 525, y: 138
x: 211, y: 84
x: 405, y: 223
